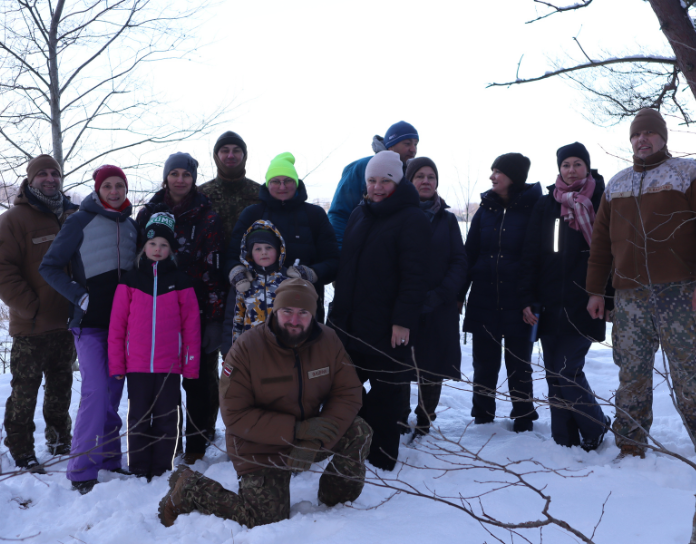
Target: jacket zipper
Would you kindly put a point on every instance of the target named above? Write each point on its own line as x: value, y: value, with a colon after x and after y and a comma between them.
x: 118, y: 249
x: 500, y: 241
x: 299, y: 375
x: 639, y: 199
x: 154, y: 318
x: 128, y: 343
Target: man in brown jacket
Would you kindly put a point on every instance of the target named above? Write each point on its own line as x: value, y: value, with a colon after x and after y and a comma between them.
x: 289, y: 396
x: 38, y: 315
x: 646, y: 234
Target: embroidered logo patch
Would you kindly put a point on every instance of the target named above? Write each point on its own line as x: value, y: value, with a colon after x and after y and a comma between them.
x: 227, y: 370
x: 317, y: 373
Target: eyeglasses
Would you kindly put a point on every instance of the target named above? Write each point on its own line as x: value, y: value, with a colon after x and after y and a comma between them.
x: 284, y: 183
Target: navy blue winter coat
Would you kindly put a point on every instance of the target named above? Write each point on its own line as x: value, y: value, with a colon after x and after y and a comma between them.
x: 100, y: 246
x: 494, y: 249
x: 438, y: 349
x: 556, y: 279
x: 305, y: 228
x: 382, y: 280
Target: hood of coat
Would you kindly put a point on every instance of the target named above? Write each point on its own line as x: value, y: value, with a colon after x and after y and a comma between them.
x: 529, y: 194
x: 24, y: 197
x: 262, y: 224
x: 92, y: 204
x: 199, y: 205
x: 298, y: 199
x: 404, y: 196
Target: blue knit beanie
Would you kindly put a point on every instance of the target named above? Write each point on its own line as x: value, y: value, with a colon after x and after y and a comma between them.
x: 398, y: 132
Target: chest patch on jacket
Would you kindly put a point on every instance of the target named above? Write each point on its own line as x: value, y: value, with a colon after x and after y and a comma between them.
x: 277, y: 379
x: 317, y: 373
x: 42, y: 239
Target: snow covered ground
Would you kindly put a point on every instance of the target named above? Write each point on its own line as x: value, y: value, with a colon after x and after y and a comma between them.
x: 652, y: 500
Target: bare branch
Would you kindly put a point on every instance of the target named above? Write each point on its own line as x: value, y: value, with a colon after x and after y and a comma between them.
x: 556, y: 9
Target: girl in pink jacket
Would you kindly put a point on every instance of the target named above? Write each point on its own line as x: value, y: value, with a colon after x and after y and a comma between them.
x: 154, y: 336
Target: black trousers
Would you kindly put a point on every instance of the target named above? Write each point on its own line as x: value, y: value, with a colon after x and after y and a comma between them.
x: 382, y: 408
x: 574, y: 409
x: 201, y: 402
x: 153, y: 418
x: 486, y: 352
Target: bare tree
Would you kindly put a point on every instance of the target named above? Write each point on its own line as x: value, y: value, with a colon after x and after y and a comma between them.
x: 73, y: 80
x: 621, y: 85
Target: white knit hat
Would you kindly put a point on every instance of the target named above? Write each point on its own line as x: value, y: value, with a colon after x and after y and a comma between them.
x: 385, y: 164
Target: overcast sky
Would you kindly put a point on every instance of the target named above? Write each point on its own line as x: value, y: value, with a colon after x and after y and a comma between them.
x: 320, y: 78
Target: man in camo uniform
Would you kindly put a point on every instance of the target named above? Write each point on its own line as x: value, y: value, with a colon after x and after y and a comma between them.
x: 645, y: 229
x: 38, y: 315
x: 289, y: 396
x: 230, y: 192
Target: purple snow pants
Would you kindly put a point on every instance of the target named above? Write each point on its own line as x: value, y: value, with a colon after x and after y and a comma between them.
x: 96, y: 441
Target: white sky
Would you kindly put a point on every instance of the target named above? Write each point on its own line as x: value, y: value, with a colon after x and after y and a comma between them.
x: 320, y: 78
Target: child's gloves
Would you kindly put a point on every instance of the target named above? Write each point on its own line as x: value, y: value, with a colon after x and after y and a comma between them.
x: 302, y: 271
x: 241, y: 278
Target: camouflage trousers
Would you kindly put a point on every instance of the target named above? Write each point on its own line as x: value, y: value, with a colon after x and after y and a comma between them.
x: 645, y: 319
x: 52, y: 355
x: 264, y: 495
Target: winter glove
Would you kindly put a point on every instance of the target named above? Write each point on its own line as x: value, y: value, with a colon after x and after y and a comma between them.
x: 316, y: 428
x: 241, y: 278
x: 212, y: 337
x: 302, y: 454
x: 84, y: 302
x: 302, y: 271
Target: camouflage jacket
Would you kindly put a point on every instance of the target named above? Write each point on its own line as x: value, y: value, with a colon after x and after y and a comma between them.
x: 252, y: 307
x: 229, y: 199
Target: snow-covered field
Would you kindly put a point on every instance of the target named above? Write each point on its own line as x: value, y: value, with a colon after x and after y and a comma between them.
x: 651, y: 501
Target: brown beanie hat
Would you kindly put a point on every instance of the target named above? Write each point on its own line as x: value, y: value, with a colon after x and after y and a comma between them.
x: 296, y: 293
x: 42, y: 162
x: 649, y: 119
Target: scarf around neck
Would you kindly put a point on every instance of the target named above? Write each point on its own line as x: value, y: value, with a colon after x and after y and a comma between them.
x: 183, y: 205
x: 576, y: 206
x: 431, y: 207
x: 53, y: 203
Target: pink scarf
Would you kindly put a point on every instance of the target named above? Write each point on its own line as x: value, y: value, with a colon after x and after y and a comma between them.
x: 576, y: 206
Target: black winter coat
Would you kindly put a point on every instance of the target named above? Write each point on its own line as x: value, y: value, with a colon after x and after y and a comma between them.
x: 494, y: 252
x: 556, y: 279
x: 382, y: 278
x: 438, y: 349
x: 305, y: 228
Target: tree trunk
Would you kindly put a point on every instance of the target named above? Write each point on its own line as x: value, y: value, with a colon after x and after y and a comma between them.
x: 681, y: 35
x: 54, y: 84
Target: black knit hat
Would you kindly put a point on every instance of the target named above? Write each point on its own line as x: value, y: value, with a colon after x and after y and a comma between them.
x: 262, y: 236
x: 416, y: 164
x: 228, y: 138
x: 513, y: 165
x: 576, y: 149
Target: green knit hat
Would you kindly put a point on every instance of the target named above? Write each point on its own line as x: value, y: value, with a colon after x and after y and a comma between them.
x: 282, y: 165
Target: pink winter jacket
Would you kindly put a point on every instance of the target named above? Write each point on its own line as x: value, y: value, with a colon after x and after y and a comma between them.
x: 176, y: 329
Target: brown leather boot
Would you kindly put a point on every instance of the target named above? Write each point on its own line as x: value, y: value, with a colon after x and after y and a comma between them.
x: 632, y: 449
x: 173, y: 503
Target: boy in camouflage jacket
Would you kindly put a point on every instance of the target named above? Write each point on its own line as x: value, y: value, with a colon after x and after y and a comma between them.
x: 263, y: 253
